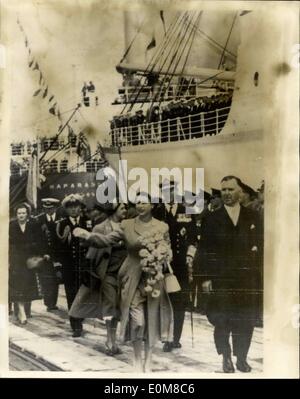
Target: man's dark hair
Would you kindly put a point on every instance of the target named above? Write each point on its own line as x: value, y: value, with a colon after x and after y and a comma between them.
x: 230, y: 177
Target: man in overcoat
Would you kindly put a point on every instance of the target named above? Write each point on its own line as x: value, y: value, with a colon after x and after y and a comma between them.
x: 230, y: 265
x: 183, y: 237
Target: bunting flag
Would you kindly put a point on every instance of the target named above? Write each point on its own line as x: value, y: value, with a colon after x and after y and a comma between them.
x: 41, y: 78
x: 161, y: 13
x: 36, y: 92
x: 83, y: 148
x: 244, y: 12
x: 36, y: 67
x: 43, y: 86
x: 52, y: 110
x: 45, y: 92
x: 33, y: 182
x: 152, y: 44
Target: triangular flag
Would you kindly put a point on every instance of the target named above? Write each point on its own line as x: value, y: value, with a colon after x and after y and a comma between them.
x: 244, y: 12
x: 41, y: 78
x: 163, y: 20
x: 36, y: 92
x: 151, y: 44
x: 52, y: 109
x: 36, y: 66
x: 45, y: 92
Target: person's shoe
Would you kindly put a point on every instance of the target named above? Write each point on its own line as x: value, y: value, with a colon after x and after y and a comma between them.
x: 77, y: 333
x: 168, y: 346
x: 116, y: 350
x: 50, y: 309
x: 227, y: 364
x: 243, y: 366
x: 176, y: 345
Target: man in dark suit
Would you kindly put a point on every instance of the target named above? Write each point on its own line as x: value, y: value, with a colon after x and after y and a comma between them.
x: 47, y: 222
x: 72, y: 253
x: 183, y: 237
x: 230, y: 265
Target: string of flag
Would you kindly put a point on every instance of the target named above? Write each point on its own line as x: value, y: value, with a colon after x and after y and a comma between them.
x: 44, y: 93
x: 43, y: 90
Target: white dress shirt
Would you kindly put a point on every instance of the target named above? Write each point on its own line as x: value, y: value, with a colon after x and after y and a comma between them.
x: 22, y: 227
x: 172, y: 208
x: 51, y: 218
x: 233, y: 212
x: 75, y: 221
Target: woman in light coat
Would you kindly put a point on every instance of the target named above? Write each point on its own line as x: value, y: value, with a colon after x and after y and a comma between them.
x: 143, y: 317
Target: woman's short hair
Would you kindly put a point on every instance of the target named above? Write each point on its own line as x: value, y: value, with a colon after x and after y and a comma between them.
x: 143, y: 195
x: 23, y: 205
x: 108, y: 209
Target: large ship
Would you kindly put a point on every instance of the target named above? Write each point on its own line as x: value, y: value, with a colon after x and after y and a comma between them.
x: 199, y: 98
x: 195, y: 93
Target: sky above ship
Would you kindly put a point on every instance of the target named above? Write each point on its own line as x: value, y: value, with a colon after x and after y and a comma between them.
x: 82, y: 41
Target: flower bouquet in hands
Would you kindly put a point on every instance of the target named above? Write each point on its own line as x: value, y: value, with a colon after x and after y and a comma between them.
x: 155, y: 254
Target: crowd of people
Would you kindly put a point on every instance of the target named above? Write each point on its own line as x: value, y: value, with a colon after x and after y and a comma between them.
x: 198, y: 117
x: 118, y: 263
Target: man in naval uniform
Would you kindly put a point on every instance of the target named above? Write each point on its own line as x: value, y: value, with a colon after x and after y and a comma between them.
x: 230, y: 263
x: 48, y: 221
x: 72, y: 253
x: 183, y: 237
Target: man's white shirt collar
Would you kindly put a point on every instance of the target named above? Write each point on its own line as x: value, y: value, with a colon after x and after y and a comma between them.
x: 174, y: 208
x: 233, y: 212
x: 75, y: 220
x: 51, y: 217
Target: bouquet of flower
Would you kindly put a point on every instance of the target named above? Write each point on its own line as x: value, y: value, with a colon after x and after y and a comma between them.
x: 155, y: 253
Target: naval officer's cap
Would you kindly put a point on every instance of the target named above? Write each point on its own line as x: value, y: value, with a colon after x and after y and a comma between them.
x: 49, y: 202
x: 72, y: 199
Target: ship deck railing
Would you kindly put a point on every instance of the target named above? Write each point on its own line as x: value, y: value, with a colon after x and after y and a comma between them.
x: 169, y: 130
x: 138, y: 94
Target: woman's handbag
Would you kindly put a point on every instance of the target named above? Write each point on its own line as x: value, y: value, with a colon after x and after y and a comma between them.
x: 171, y: 281
x: 34, y: 262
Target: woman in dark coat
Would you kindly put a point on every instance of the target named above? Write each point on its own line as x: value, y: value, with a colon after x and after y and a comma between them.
x: 98, y: 295
x: 24, y: 243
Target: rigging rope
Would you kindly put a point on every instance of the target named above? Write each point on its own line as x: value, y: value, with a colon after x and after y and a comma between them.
x: 156, y: 56
x: 132, y: 41
x: 228, y: 37
x: 174, y: 56
x: 188, y: 53
x: 208, y: 38
x: 60, y: 132
x: 160, y: 57
x: 171, y: 47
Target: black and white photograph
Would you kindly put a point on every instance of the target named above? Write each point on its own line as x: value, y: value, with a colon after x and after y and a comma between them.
x: 149, y: 188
